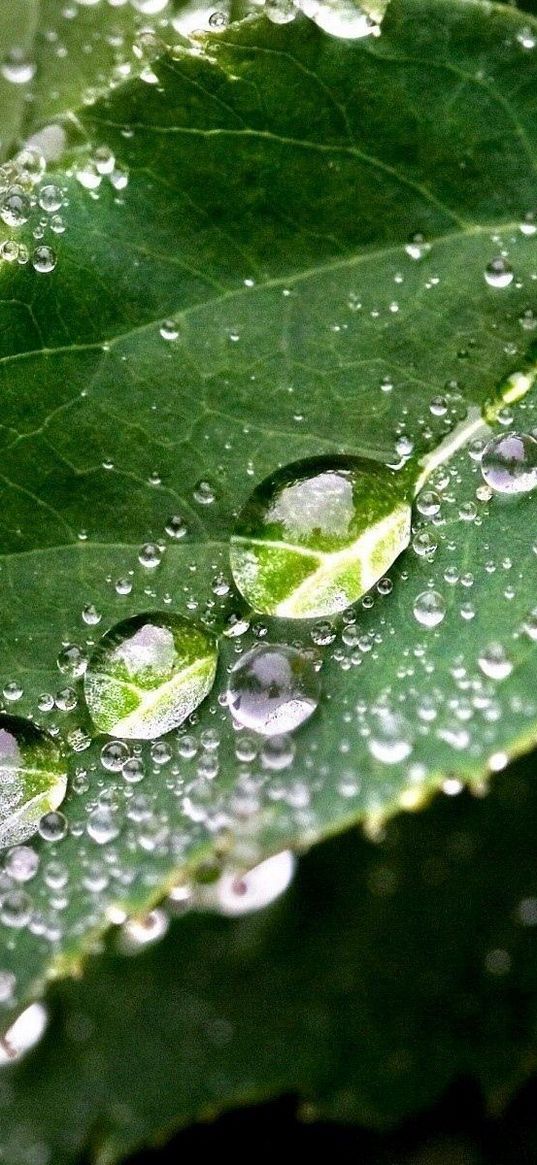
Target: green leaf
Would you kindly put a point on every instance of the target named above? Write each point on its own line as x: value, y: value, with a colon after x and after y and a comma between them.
x: 387, y: 971
x: 275, y: 178
x: 18, y: 24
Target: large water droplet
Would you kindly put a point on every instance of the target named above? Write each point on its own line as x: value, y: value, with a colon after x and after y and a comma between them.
x: 509, y: 463
x: 315, y: 536
x: 148, y: 674
x: 273, y: 689
x: 33, y: 778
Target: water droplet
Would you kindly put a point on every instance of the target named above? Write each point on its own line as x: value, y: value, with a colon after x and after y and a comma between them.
x: 169, y: 330
x: 104, y: 160
x: 509, y: 463
x: 530, y: 625
x: 12, y: 691
x: 495, y: 663
x: 417, y: 247
x: 389, y: 740
x: 43, y: 260
x: 15, y: 207
x: 32, y: 778
x: 429, y: 608
x: 50, y: 198
x: 17, y: 69
x: 277, y: 753
x: 138, y: 933
x: 53, y: 826
x: 204, y: 493
x: 150, y: 7
x: 316, y: 535
x: 123, y: 586
x: 176, y: 527
x: 528, y: 226
x: 499, y: 273
x: 148, y: 674
x: 149, y: 556
x: 280, y: 11
x: 424, y: 544
x: 72, y: 661
x: 526, y: 37
x: 273, y: 689
x: 102, y: 825
x: 218, y: 20
x: 24, y: 1034
x: 238, y: 893
x: 91, y: 615
x: 21, y: 863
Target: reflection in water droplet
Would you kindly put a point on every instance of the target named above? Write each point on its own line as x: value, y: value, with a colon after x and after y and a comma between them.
x: 33, y: 778
x: 148, y: 674
x: 315, y: 536
x: 273, y: 689
x: 509, y: 463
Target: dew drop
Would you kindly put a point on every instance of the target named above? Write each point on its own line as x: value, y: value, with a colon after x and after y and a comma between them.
x: 33, y: 778
x: 526, y: 37
x: 176, y: 527
x: 429, y: 608
x: 16, y: 909
x: 72, y: 661
x: 50, y: 198
x: 21, y: 863
x: 499, y: 273
x: 495, y: 663
x: 15, y: 207
x: 149, y: 556
x: 280, y: 11
x: 417, y: 247
x: 17, y: 69
x: 239, y: 893
x: 273, y: 689
x: 509, y: 463
x: 43, y: 260
x: 23, y: 1035
x: 315, y: 536
x: 53, y: 826
x: 148, y: 674
x: 204, y: 493
x: 389, y: 740
x: 169, y: 330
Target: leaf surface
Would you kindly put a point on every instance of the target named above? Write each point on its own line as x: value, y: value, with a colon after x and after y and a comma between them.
x: 274, y: 180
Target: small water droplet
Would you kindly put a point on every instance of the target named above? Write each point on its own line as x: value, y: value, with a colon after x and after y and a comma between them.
x: 499, y: 273
x: 429, y: 608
